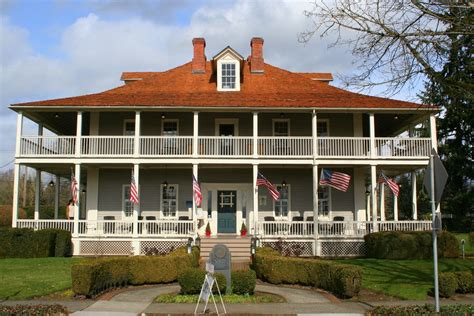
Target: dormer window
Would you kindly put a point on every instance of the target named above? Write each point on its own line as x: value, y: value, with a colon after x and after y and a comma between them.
x: 228, y: 76
x: 228, y: 63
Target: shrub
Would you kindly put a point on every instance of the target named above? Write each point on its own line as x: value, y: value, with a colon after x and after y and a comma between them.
x: 465, y: 282
x: 448, y: 283
x: 91, y: 277
x: 455, y: 309
x: 191, y: 281
x: 341, y: 279
x: 26, y: 243
x: 243, y: 282
x: 410, y: 245
x: 55, y: 309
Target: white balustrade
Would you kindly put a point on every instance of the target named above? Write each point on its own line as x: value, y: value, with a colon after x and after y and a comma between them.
x: 234, y: 146
x: 107, y: 146
x: 285, y: 146
x: 105, y: 228
x: 356, y: 147
x: 342, y: 229
x: 166, y: 145
x: 402, y: 147
x: 32, y: 146
x: 46, y: 224
x: 166, y: 228
x: 405, y: 226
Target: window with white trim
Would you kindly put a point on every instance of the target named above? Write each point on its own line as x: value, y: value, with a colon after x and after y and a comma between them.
x: 323, y: 128
x: 170, y: 127
x: 129, y: 127
x: 127, y: 205
x: 228, y: 75
x: 169, y: 200
x: 281, y: 207
x: 323, y: 200
x: 281, y: 127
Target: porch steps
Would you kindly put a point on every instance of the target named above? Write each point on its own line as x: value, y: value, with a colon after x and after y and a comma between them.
x: 239, y: 248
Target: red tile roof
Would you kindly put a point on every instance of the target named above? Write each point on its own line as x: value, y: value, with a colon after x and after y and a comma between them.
x: 275, y: 88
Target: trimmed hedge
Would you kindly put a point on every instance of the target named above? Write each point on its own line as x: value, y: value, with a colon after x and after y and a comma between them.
x: 410, y: 245
x: 27, y: 243
x: 243, y: 282
x: 341, y: 279
x: 91, y: 277
x: 452, y: 282
x: 191, y: 281
x: 426, y: 310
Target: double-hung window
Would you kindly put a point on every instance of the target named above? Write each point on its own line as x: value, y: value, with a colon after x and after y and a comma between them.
x: 169, y: 200
x: 169, y: 127
x: 282, y: 205
x: 228, y: 76
x: 323, y: 200
x: 281, y: 127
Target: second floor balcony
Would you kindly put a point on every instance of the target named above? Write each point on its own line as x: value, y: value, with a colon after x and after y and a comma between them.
x: 224, y: 146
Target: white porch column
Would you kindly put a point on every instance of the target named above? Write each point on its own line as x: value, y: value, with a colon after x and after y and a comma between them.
x: 316, y: 250
x: 255, y: 134
x: 37, y: 195
x: 195, y: 174
x: 195, y: 133
x: 368, y: 208
x: 57, y: 181
x: 92, y: 201
x: 77, y: 175
x: 359, y: 194
x: 136, y: 140
x: 136, y: 207
x: 373, y: 195
x: 372, y: 135
x: 434, y: 143
x: 16, y: 188
x: 382, y: 201
x: 19, y: 129
x: 395, y: 208
x: 255, y: 198
x: 314, y: 129
x: 78, y: 135
x: 414, y: 202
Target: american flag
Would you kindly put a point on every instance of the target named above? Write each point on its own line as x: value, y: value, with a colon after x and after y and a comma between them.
x: 133, y: 191
x: 197, y: 192
x: 73, y: 189
x: 261, y: 180
x: 337, y: 180
x: 390, y: 182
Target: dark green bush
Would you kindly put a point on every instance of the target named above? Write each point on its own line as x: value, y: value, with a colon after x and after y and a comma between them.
x: 93, y: 276
x: 465, y: 282
x: 341, y: 279
x: 410, y: 245
x: 448, y: 283
x: 191, y: 281
x: 426, y: 310
x: 16, y: 310
x: 243, y: 282
x: 27, y: 243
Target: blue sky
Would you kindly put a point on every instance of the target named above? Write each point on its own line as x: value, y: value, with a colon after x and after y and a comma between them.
x: 59, y: 48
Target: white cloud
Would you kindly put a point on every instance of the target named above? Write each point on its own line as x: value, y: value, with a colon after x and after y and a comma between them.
x: 94, y: 50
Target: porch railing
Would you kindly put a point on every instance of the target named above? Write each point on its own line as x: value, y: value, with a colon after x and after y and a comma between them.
x: 105, y: 228
x: 225, y: 146
x: 33, y: 146
x: 46, y: 224
x: 405, y: 225
x: 166, y: 145
x: 285, y: 146
x: 109, y: 146
x: 166, y: 228
x: 402, y: 147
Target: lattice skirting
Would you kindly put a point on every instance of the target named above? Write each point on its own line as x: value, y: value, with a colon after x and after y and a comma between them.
x: 159, y: 247
x: 105, y: 247
x: 342, y: 248
x: 291, y: 248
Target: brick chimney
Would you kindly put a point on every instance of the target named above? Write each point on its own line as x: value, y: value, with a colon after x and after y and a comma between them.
x: 256, y: 59
x: 199, y: 59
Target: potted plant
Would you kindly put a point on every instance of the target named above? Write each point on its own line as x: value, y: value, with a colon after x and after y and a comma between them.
x: 208, y: 230
x: 243, y: 230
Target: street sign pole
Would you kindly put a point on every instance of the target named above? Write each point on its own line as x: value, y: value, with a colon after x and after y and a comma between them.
x: 435, y: 235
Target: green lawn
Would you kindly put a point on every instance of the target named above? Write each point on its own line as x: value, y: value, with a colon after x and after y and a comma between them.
x: 406, y: 279
x: 468, y: 248
x: 26, y: 278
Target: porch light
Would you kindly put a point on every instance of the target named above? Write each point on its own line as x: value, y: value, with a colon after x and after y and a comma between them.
x: 163, y: 116
x: 51, y: 183
x: 56, y: 115
x: 165, y: 184
x: 197, y: 242
x: 367, y: 192
x: 284, y: 184
x: 395, y: 117
x: 282, y: 115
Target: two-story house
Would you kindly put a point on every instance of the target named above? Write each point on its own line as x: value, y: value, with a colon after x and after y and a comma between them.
x: 224, y: 120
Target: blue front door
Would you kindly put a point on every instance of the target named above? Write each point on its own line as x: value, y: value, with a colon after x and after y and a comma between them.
x: 226, y: 211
